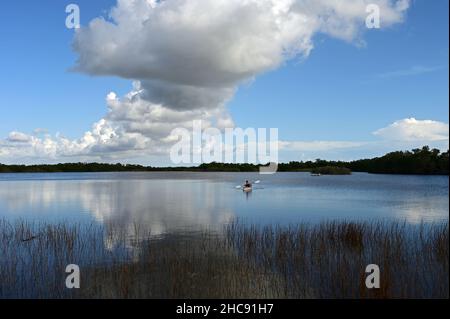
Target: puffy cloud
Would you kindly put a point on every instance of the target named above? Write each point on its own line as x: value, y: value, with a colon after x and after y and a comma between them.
x: 40, y: 130
x: 132, y: 126
x: 18, y: 137
x: 410, y: 130
x: 136, y: 126
x: 192, y: 54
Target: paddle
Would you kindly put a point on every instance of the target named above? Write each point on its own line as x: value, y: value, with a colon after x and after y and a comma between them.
x: 255, y: 182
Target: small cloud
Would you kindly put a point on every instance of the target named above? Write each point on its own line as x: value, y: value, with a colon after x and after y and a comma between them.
x: 414, y: 70
x: 18, y: 137
x: 38, y: 131
x: 317, y: 146
x: 111, y: 96
x: 410, y: 130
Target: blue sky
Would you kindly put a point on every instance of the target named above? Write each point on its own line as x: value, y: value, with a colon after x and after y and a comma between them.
x: 341, y: 92
x: 37, y: 87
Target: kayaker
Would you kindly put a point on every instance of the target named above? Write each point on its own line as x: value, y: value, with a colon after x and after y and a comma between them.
x: 247, y: 184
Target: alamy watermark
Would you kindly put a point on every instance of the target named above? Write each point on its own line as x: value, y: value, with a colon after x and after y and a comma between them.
x: 231, y: 145
x: 73, y: 279
x: 73, y: 17
x: 373, y: 20
x: 373, y: 279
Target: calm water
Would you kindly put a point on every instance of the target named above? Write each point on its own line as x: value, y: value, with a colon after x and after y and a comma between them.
x: 166, y: 202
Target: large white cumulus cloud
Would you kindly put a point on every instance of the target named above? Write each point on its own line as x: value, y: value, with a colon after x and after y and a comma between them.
x: 187, y: 58
x: 194, y: 53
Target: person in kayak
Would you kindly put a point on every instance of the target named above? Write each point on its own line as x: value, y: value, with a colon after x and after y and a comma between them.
x: 247, y: 184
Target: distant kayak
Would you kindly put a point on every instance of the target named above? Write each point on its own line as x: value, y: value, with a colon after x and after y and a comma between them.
x: 247, y: 187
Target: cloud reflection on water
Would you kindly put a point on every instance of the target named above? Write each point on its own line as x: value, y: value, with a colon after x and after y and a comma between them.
x: 159, y: 206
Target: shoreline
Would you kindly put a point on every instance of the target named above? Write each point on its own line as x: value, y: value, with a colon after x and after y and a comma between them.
x: 212, y: 171
x: 424, y: 161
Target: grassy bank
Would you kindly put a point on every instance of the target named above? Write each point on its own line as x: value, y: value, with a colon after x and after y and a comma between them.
x: 326, y: 260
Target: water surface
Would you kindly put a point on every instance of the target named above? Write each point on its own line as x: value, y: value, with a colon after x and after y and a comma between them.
x: 171, y: 201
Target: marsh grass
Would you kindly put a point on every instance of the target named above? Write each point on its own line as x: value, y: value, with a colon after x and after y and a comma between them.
x: 326, y: 260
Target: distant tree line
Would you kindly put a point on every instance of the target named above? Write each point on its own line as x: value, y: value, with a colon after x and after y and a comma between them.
x: 70, y: 167
x: 424, y: 161
x: 85, y: 167
x: 418, y: 161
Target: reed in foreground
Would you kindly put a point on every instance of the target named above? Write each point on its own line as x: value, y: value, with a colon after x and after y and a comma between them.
x: 326, y: 260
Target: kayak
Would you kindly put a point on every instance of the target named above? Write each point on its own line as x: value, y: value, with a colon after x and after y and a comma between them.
x: 247, y: 189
